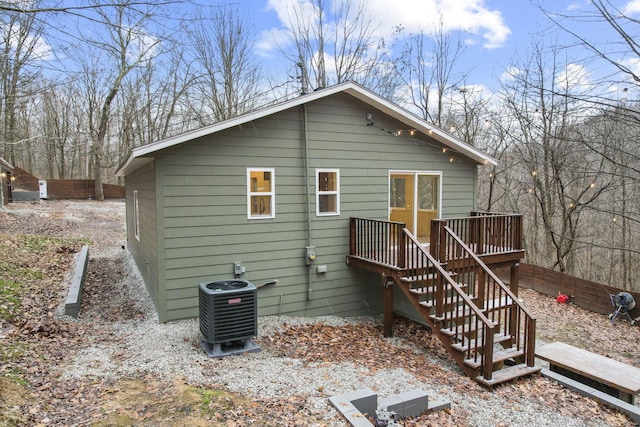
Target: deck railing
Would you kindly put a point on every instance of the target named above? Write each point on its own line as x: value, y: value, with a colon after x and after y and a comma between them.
x: 485, y: 233
x: 379, y: 241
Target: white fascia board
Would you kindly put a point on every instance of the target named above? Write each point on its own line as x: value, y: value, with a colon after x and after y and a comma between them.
x: 422, y: 126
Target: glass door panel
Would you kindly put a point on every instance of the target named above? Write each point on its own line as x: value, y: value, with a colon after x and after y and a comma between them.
x: 428, y: 201
x: 401, y: 207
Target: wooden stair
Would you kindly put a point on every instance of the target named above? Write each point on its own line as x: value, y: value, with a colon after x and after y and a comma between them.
x: 479, y: 320
x: 461, y: 338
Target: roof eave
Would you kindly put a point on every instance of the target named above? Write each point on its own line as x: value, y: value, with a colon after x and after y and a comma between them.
x: 350, y: 88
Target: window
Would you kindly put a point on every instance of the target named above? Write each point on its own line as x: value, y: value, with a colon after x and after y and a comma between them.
x: 136, y: 216
x: 327, y: 192
x: 260, y: 193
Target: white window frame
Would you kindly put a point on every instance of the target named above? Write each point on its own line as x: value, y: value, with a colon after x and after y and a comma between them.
x: 136, y: 216
x: 271, y: 194
x: 327, y: 193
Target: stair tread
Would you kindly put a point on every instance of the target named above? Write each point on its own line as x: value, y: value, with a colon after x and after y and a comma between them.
x: 508, y: 373
x: 421, y: 278
x: 457, y: 315
x: 448, y: 302
x: 424, y: 278
x: 498, y: 356
x: 499, y: 303
x: 461, y: 346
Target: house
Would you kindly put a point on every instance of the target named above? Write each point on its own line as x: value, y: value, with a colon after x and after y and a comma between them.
x: 269, y: 195
x: 5, y: 182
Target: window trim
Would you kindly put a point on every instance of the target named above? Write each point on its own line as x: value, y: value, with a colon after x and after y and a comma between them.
x: 271, y: 193
x: 323, y: 193
x: 136, y: 215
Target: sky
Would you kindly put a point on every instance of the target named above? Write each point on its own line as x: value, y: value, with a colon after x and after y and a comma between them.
x: 496, y: 32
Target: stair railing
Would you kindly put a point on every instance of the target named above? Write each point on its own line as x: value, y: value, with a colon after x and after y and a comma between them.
x: 498, y: 302
x: 455, y: 311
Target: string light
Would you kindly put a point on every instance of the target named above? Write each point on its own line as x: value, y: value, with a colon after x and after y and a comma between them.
x: 412, y: 132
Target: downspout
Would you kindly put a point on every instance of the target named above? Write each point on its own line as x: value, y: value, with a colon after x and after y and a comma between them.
x: 308, y: 262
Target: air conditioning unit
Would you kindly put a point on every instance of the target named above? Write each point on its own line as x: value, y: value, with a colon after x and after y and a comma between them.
x: 228, y: 317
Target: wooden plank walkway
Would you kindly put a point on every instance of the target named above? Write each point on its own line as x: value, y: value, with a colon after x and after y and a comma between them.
x: 564, y: 358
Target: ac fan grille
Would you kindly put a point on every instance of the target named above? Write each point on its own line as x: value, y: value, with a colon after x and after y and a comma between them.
x: 228, y: 316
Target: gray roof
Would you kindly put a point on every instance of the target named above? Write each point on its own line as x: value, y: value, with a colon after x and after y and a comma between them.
x: 137, y: 158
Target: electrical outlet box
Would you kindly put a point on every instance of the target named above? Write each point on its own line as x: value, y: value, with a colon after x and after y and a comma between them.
x: 238, y: 269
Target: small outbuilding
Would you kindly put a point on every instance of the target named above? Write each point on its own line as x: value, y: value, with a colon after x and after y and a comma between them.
x: 269, y: 195
x: 5, y: 182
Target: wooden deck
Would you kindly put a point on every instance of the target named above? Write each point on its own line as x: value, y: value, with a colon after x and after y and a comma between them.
x: 477, y: 317
x: 615, y: 378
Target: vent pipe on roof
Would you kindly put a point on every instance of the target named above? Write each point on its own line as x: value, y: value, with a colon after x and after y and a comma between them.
x: 304, y: 87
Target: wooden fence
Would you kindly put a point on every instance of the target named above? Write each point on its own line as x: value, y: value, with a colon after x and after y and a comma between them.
x: 65, y: 188
x: 592, y: 296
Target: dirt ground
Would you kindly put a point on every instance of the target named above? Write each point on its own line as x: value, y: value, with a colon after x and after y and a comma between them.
x: 37, y: 246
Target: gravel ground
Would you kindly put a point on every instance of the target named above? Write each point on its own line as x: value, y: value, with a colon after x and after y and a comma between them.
x: 132, y: 344
x: 144, y: 346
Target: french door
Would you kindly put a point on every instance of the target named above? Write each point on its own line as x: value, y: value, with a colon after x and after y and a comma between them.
x: 414, y: 199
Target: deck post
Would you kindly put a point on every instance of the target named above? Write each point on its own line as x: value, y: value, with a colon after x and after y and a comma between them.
x: 514, y: 277
x: 387, y: 318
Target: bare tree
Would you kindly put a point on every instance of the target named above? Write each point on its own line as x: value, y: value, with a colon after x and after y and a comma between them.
x: 428, y: 68
x: 126, y: 46
x: 619, y: 51
x: 335, y: 44
x: 20, y: 38
x: 610, y: 133
x: 563, y: 177
x: 228, y: 76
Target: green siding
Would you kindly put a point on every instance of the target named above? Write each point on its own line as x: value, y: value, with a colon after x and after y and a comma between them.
x: 203, y: 221
x: 144, y: 251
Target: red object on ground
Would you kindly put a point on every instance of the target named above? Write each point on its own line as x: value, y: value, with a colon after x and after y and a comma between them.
x: 562, y: 299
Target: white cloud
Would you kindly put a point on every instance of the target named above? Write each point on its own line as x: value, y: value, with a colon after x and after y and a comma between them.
x: 632, y: 64
x: 39, y: 49
x: 472, y: 16
x: 574, y: 78
x: 510, y: 74
x: 271, y: 41
x: 631, y: 8
x: 143, y: 45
